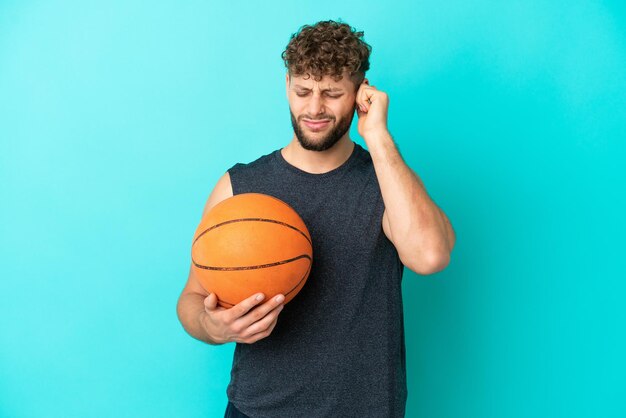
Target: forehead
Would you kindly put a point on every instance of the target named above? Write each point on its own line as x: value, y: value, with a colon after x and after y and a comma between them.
x: 326, y: 83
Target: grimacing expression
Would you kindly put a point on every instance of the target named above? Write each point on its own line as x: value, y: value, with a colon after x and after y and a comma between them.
x: 321, y: 111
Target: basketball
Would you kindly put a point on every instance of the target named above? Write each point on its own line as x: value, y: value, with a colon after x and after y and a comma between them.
x: 251, y: 243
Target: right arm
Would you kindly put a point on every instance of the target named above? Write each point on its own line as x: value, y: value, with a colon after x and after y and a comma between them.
x: 205, y: 321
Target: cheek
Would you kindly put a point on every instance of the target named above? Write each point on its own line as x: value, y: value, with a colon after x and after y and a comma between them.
x: 297, y: 106
x: 346, y: 109
x: 349, y: 105
x: 339, y: 109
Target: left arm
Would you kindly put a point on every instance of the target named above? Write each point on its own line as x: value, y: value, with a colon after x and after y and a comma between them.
x: 420, y: 231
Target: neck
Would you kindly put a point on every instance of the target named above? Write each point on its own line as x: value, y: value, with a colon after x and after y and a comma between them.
x: 318, y: 162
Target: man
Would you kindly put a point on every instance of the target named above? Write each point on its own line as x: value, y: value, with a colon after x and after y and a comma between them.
x: 337, y: 349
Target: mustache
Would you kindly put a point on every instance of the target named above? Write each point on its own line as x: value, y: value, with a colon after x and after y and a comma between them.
x: 323, y: 117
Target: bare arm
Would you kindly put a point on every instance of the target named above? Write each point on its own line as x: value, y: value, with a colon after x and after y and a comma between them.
x: 191, y: 311
x: 190, y: 307
x: 419, y: 230
x: 199, y: 314
x: 246, y: 322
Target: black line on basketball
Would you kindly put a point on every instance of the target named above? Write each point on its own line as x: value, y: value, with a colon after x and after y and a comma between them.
x: 287, y: 293
x: 258, y: 266
x: 300, y: 281
x: 252, y: 220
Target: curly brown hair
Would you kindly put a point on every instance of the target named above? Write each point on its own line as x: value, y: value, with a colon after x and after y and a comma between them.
x: 328, y: 48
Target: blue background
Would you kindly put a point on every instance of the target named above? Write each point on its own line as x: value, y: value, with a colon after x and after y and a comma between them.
x: 117, y: 118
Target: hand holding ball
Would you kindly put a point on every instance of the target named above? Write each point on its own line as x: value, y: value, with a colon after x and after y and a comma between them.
x: 251, y: 243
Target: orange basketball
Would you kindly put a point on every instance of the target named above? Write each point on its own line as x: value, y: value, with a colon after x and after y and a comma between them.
x: 251, y: 243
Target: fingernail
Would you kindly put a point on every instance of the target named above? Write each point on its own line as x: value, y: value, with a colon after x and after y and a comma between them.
x: 259, y: 297
x: 280, y: 298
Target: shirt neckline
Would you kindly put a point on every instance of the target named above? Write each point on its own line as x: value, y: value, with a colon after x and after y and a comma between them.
x: 284, y: 163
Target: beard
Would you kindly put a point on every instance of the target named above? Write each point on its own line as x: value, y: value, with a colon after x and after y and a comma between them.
x: 337, y: 131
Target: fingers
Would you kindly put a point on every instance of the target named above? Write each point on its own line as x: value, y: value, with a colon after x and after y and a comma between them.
x: 259, y: 322
x: 210, y: 302
x: 264, y: 326
x: 260, y: 335
x: 247, y: 322
x: 259, y: 312
x: 243, y: 307
x: 364, y: 96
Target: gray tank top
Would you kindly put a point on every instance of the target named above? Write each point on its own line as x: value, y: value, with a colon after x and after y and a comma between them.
x: 338, y: 347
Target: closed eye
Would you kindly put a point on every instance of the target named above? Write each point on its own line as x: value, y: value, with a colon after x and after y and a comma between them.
x: 332, y: 96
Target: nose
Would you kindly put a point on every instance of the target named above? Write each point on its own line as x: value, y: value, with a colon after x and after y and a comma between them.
x: 316, y: 104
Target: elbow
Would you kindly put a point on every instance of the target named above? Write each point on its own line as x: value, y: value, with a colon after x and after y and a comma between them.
x: 428, y: 264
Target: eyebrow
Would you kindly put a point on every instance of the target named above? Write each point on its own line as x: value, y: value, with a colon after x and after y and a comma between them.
x: 332, y: 89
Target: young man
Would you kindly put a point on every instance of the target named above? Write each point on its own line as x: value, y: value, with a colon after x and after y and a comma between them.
x: 338, y: 348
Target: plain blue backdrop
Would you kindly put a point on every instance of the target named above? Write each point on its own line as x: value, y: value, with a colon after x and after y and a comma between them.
x: 118, y: 117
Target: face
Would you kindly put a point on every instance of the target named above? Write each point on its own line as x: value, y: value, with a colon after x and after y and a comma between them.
x: 321, y: 111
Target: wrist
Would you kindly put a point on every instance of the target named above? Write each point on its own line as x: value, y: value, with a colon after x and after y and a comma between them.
x: 206, y: 331
x: 376, y: 136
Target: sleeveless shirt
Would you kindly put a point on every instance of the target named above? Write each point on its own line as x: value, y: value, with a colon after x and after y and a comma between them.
x: 338, y: 347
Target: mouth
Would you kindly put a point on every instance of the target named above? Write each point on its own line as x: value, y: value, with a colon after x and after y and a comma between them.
x: 316, y: 125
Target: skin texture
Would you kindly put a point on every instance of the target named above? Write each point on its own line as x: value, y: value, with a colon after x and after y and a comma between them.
x: 415, y: 225
x: 306, y: 98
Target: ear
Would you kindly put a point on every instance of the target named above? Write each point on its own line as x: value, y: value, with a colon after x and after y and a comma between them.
x: 287, y: 84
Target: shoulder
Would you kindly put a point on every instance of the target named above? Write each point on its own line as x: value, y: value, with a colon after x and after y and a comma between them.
x: 260, y: 162
x: 248, y: 177
x: 222, y: 190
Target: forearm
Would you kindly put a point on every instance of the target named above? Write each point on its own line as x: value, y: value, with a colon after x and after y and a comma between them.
x: 191, y: 313
x: 420, y: 230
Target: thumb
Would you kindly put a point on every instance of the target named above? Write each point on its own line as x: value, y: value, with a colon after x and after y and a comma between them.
x: 210, y: 302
